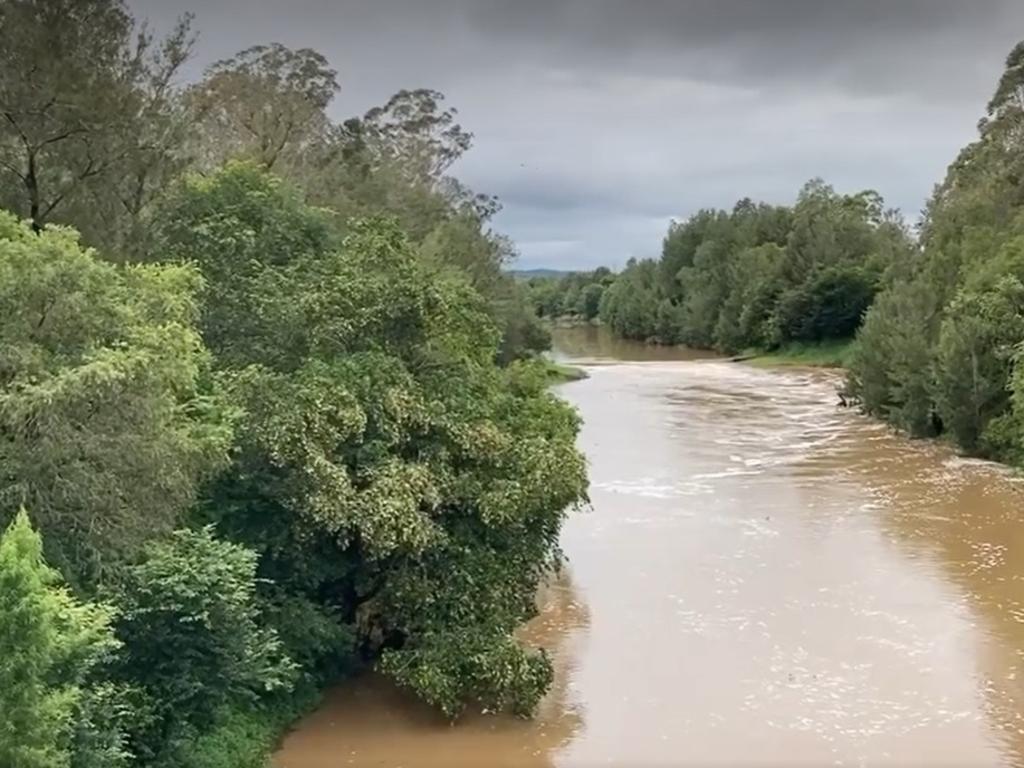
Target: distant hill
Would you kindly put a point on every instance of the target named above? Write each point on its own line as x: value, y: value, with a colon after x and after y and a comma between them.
x: 526, y: 274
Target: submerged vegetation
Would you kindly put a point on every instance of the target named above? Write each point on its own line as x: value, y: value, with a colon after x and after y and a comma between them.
x: 271, y: 408
x: 560, y: 372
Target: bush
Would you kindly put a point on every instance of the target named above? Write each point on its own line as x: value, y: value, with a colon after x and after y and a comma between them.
x: 830, y: 305
x: 50, y: 646
x: 197, y: 596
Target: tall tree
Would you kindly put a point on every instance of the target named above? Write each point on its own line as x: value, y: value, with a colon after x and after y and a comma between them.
x: 413, y: 130
x: 266, y: 104
x: 84, y: 100
x: 386, y: 466
x: 940, y: 347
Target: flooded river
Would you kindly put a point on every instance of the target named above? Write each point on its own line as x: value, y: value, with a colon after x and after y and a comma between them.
x: 763, y: 578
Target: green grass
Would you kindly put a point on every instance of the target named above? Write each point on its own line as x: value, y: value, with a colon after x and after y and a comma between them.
x: 559, y: 373
x: 824, y: 354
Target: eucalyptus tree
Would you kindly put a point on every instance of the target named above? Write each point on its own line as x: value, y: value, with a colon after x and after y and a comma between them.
x: 89, y: 124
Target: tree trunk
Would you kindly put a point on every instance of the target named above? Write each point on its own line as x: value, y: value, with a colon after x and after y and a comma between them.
x: 32, y: 187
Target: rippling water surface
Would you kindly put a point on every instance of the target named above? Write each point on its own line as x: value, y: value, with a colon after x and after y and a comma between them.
x: 763, y: 578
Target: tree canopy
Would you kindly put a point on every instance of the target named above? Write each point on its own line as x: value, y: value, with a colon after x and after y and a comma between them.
x: 269, y: 394
x: 108, y: 420
x: 50, y: 644
x: 377, y: 425
x: 760, y: 276
x: 938, y: 350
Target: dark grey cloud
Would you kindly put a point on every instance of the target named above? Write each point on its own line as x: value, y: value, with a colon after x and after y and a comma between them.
x: 862, y: 45
x: 596, y: 122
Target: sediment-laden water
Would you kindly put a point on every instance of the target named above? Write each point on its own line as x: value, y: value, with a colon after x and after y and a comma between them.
x: 764, y: 578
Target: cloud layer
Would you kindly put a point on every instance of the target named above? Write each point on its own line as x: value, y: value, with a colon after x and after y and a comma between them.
x: 597, y: 122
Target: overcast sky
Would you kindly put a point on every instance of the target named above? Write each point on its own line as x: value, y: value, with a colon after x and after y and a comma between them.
x: 597, y: 122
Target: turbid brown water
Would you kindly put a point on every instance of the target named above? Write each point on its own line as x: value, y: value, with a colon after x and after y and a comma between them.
x: 764, y: 578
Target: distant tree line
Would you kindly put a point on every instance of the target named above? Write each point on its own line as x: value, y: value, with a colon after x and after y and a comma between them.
x: 758, y: 276
x: 268, y: 407
x: 575, y: 295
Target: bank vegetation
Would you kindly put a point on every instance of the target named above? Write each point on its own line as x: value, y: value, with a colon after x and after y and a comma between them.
x: 270, y: 408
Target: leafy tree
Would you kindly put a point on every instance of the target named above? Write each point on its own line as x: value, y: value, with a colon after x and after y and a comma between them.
x: 50, y: 643
x: 668, y: 323
x: 589, y: 303
x: 939, y: 348
x: 890, y: 373
x: 89, y: 131
x: 241, y: 314
x: 195, y: 596
x: 974, y: 358
x: 629, y: 306
x: 575, y: 294
x: 707, y: 283
x: 571, y: 299
x: 545, y: 296
x: 757, y: 294
x: 460, y: 247
x: 106, y: 422
x: 761, y: 275
x: 267, y: 104
x: 522, y: 334
x: 383, y: 445
x: 829, y: 305
x: 413, y: 131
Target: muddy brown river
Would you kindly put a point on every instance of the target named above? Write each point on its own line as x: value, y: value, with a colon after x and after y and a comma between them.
x: 763, y: 578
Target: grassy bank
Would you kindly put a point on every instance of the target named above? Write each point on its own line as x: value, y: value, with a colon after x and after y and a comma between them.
x: 825, y: 354
x: 559, y: 373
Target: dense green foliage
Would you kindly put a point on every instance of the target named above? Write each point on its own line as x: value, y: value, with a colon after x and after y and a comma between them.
x: 50, y: 644
x: 106, y: 422
x: 196, y: 595
x: 575, y: 295
x: 761, y: 276
x: 938, y: 350
x: 383, y: 458
x: 270, y: 428
x: 267, y: 390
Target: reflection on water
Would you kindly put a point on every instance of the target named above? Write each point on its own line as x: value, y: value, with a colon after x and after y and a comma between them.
x: 768, y: 579
x: 588, y: 343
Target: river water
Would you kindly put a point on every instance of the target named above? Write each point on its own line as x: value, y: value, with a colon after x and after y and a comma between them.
x: 763, y: 579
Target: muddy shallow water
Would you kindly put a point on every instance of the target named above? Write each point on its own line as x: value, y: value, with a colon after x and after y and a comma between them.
x: 764, y: 578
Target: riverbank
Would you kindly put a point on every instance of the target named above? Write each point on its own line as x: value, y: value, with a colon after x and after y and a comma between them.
x: 560, y: 373
x: 823, y: 354
x: 571, y: 321
x: 835, y: 353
